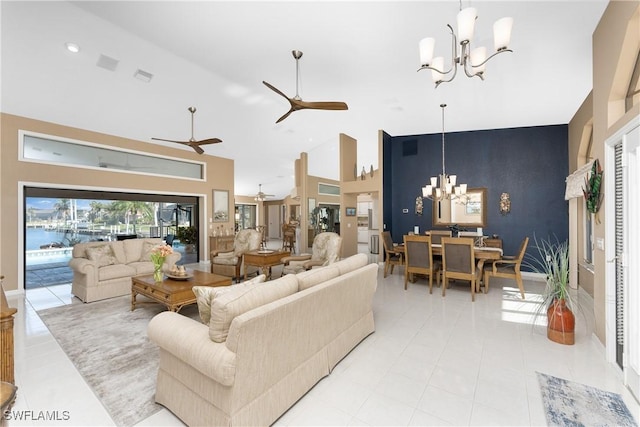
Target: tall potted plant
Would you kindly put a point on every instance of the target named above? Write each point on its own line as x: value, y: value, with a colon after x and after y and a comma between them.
x: 553, y: 262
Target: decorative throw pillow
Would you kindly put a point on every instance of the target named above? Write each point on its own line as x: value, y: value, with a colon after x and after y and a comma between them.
x: 101, y: 255
x: 206, y: 294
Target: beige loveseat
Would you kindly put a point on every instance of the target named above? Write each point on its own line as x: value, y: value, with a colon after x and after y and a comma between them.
x: 265, y: 346
x: 104, y: 269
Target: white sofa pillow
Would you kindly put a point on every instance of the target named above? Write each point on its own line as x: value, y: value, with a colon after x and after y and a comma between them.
x: 206, y: 294
x: 102, y: 255
x: 239, y: 300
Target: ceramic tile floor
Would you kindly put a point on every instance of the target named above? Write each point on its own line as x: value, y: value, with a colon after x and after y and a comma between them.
x: 431, y: 361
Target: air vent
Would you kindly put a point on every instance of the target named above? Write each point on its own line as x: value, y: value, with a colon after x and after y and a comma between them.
x: 409, y: 147
x: 143, y: 75
x: 107, y: 63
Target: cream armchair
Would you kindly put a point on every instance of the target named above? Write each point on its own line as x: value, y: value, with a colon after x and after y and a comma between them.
x: 231, y: 264
x: 325, y: 250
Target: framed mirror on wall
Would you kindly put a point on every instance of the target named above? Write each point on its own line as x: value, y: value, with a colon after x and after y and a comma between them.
x: 473, y: 213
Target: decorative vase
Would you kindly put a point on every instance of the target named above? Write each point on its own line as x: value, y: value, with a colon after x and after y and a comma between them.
x: 157, y: 272
x: 560, y: 323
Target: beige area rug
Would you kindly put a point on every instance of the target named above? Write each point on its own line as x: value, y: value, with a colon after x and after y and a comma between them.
x: 108, y: 344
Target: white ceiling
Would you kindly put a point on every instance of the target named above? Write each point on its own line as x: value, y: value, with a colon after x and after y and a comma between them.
x: 214, y: 55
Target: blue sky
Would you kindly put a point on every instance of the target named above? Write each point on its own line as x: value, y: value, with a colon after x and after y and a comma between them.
x: 45, y: 203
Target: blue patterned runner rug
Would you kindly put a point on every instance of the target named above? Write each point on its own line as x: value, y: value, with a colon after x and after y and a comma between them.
x: 569, y: 403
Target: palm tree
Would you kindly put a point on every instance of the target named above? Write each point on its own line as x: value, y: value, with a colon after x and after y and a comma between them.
x: 62, y: 206
x: 132, y: 209
x: 96, y: 210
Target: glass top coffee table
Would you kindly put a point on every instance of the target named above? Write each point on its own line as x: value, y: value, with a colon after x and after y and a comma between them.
x: 173, y: 293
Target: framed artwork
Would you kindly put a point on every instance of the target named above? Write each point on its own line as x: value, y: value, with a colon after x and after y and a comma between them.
x: 220, y: 206
x: 350, y: 212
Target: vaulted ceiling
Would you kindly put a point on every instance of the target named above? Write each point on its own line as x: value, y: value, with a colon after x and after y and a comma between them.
x: 214, y: 55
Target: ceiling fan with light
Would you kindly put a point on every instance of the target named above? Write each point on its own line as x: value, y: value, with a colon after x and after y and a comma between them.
x: 260, y: 197
x: 297, y: 103
x: 192, y: 142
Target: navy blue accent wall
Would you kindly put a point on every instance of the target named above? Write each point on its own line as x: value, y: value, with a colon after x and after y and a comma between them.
x: 530, y: 164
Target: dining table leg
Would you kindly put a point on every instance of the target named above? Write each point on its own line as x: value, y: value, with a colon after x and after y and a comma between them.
x: 479, y: 272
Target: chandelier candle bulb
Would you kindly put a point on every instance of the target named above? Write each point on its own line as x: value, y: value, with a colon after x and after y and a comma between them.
x: 426, y: 50
x: 502, y: 33
x: 436, y: 66
x: 478, y: 56
x: 466, y: 24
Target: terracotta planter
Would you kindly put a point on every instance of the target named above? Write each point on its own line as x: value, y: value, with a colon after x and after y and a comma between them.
x: 560, y: 323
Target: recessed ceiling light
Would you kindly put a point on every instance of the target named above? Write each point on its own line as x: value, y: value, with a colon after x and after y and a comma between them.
x: 72, y: 47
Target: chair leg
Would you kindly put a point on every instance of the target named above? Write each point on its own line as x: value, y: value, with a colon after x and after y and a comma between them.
x: 486, y: 281
x: 405, y: 279
x: 430, y: 283
x: 473, y: 290
x: 519, y: 282
x: 444, y: 283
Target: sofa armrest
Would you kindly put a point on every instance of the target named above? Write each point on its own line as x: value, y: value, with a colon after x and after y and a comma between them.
x: 83, y: 265
x: 189, y: 341
x: 286, y: 260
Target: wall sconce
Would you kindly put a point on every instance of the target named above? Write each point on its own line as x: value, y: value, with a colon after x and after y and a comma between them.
x: 505, y: 203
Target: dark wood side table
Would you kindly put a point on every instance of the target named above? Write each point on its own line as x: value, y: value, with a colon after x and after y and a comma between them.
x: 264, y: 260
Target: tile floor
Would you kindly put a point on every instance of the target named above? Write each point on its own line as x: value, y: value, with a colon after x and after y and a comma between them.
x: 431, y: 361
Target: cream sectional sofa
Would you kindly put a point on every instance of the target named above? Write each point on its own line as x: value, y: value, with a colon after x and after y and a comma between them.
x: 104, y: 269
x: 265, y: 346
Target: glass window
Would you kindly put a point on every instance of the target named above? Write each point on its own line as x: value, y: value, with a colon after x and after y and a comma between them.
x: 588, y: 237
x: 52, y: 150
x: 328, y: 189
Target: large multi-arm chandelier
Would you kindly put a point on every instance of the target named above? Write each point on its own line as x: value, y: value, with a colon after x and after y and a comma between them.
x: 444, y: 186
x: 472, y: 61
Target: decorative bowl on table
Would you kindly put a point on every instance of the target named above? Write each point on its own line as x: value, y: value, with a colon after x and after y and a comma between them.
x: 179, y: 274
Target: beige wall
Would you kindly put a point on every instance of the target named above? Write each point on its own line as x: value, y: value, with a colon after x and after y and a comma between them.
x: 616, y: 42
x: 351, y: 186
x: 219, y: 175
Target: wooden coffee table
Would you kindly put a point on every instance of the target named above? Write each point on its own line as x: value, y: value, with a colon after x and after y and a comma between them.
x: 264, y: 260
x: 174, y: 294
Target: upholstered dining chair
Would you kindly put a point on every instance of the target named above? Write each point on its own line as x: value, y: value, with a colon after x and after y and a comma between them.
x: 393, y: 256
x: 324, y: 251
x: 437, y: 235
x: 508, y: 267
x: 231, y: 264
x: 418, y: 258
x: 458, y: 262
